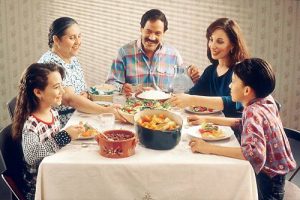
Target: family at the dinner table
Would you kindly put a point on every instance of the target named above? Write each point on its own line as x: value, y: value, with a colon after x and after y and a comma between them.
x: 235, y: 83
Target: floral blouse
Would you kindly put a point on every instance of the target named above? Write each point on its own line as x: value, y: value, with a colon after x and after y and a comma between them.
x: 73, y: 78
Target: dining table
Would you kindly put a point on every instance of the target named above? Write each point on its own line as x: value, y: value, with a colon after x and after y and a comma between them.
x: 78, y: 171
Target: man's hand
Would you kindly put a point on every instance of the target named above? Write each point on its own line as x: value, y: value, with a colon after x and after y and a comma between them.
x: 127, y: 89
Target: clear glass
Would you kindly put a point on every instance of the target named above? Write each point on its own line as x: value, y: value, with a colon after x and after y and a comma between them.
x: 107, y: 121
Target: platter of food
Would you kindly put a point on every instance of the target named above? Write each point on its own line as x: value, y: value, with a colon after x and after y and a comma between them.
x: 153, y: 95
x: 89, y: 132
x: 132, y: 106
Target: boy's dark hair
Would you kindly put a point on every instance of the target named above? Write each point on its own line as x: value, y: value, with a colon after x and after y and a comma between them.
x: 153, y: 15
x: 258, y: 74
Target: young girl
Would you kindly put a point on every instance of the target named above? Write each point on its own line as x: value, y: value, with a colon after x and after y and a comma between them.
x: 36, y: 123
x: 263, y: 140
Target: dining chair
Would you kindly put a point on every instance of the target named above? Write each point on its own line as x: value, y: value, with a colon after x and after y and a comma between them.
x: 292, y: 191
x: 11, y: 184
x: 11, y: 107
x: 12, y: 159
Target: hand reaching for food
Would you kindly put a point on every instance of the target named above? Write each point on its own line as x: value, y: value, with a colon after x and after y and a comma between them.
x: 180, y: 100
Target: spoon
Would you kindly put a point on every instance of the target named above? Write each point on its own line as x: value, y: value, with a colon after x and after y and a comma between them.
x: 105, y: 136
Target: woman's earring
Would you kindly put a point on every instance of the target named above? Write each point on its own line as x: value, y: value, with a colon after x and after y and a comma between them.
x: 231, y: 51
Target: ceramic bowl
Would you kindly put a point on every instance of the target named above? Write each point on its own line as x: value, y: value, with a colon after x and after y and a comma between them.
x: 117, y: 143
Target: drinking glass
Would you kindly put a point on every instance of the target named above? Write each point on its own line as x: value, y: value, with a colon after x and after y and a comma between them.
x: 107, y: 121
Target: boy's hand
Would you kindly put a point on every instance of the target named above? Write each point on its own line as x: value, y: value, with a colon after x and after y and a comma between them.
x: 199, y: 146
x: 196, y: 120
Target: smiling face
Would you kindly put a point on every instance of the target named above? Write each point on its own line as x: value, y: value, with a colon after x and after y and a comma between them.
x: 68, y: 45
x: 219, y: 45
x: 152, y: 35
x: 52, y: 94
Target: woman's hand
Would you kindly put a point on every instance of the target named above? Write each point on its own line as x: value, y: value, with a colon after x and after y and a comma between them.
x: 200, y: 146
x: 180, y: 100
x: 194, y: 72
x: 75, y: 130
x: 85, y: 94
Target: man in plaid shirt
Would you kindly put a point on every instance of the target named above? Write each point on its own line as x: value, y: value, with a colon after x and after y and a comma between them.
x: 147, y: 61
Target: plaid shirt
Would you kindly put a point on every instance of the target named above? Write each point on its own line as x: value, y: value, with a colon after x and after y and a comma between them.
x: 134, y: 67
x: 263, y: 140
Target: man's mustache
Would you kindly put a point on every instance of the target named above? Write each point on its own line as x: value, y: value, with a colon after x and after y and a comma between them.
x: 153, y: 41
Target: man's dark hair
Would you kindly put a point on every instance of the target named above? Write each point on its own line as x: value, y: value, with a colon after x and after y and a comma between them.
x: 258, y: 74
x: 153, y: 15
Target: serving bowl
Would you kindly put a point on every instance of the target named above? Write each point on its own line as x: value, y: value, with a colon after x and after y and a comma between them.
x: 134, y: 105
x: 129, y: 117
x: 116, y: 143
x: 158, y: 139
x: 102, y: 92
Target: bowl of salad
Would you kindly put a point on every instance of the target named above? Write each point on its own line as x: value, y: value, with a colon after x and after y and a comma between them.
x: 133, y: 106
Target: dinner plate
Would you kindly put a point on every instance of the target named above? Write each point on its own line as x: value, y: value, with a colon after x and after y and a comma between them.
x: 85, y: 138
x: 103, y: 103
x: 190, y: 110
x: 194, y: 132
x: 153, y: 95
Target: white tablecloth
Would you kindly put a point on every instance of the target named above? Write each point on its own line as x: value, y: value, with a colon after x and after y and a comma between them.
x: 78, y: 171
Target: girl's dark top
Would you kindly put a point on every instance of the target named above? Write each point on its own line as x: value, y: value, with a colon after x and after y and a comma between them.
x: 210, y: 84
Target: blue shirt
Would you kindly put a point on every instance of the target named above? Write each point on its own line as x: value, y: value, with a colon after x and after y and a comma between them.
x: 210, y: 84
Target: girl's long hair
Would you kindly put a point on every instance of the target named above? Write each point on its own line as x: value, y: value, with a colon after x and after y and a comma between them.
x: 234, y: 33
x: 34, y: 77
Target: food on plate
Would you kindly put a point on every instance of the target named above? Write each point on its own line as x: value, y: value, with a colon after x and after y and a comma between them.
x: 154, y: 95
x: 103, y: 89
x: 89, y: 131
x: 132, y: 106
x: 117, y: 135
x: 201, y: 109
x: 158, y: 122
x: 209, y: 130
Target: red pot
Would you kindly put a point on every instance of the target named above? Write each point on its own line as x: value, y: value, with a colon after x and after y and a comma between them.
x: 120, y: 143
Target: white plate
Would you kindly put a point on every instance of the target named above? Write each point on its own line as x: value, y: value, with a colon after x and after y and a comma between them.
x: 190, y: 110
x: 85, y: 138
x: 154, y: 95
x: 194, y: 132
x: 103, y: 103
